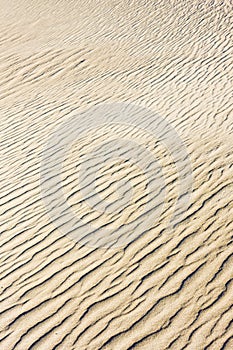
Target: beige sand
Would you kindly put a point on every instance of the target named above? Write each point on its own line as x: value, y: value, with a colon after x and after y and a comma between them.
x: 168, y: 289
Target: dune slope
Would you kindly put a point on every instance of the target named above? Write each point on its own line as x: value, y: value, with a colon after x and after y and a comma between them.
x: 166, y: 288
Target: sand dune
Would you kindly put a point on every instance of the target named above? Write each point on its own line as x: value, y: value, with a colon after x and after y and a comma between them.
x: 160, y: 286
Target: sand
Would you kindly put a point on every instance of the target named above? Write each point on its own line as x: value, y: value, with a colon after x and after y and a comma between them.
x: 161, y: 286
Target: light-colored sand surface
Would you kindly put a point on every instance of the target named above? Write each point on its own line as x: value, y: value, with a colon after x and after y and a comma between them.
x: 168, y: 289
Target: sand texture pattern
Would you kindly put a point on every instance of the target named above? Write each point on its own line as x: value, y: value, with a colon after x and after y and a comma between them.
x: 167, y: 288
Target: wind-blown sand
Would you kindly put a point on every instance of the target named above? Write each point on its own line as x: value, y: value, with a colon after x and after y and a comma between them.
x: 167, y: 289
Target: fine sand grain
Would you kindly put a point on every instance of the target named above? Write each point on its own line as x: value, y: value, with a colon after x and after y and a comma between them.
x: 167, y: 288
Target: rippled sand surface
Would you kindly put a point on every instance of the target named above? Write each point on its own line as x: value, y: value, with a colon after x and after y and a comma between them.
x: 167, y: 288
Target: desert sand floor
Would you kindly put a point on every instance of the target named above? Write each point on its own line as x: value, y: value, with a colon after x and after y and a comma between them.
x: 168, y: 288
